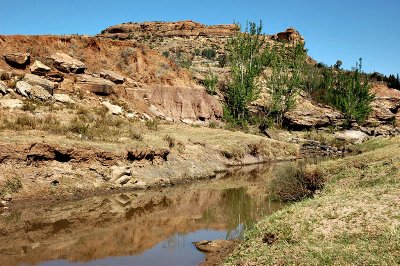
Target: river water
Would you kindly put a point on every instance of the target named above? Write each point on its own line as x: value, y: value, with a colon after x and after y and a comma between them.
x: 153, y: 227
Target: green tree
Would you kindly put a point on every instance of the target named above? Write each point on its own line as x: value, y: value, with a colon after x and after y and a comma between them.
x: 338, y: 64
x: 289, y: 72
x: 211, y: 82
x: 349, y: 92
x: 247, y: 58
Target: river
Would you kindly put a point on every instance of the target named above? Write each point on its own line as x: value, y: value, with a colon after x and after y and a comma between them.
x: 148, y: 227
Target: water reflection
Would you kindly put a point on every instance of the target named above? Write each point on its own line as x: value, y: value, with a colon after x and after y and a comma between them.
x: 138, y: 228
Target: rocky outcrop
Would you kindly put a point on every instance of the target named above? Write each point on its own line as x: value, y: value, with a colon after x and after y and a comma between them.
x: 32, y: 91
x: 39, y: 68
x: 112, y: 76
x: 149, y: 154
x: 290, y: 35
x: 353, y: 136
x: 11, y: 103
x: 35, y: 80
x: 112, y: 108
x: 96, y: 85
x: 63, y: 98
x: 212, y: 246
x: 186, y: 28
x: 23, y: 88
x: 67, y: 64
x: 3, y: 88
x: 310, y: 115
x: 42, y: 152
x: 17, y: 60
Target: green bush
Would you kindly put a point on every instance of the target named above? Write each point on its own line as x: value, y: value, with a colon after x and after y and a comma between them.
x: 152, y: 124
x: 165, y: 54
x: 209, y: 53
x: 211, y: 82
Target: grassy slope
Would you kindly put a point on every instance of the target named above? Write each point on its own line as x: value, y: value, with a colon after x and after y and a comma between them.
x: 354, y: 221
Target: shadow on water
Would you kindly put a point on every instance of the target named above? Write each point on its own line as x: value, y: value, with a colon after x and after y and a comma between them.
x: 137, y: 228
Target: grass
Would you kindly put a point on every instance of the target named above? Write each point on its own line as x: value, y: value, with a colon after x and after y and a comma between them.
x: 11, y: 185
x: 355, y: 220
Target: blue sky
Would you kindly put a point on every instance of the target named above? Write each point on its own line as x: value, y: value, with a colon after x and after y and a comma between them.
x: 337, y: 29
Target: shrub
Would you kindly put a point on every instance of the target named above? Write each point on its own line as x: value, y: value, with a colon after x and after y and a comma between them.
x: 165, y: 54
x: 152, y: 124
x: 222, y: 60
x: 295, y: 181
x: 170, y: 140
x: 25, y: 122
x: 212, y: 124
x: 11, y: 185
x: 79, y: 127
x: 135, y: 135
x: 29, y: 106
x: 210, y: 82
x: 209, y: 53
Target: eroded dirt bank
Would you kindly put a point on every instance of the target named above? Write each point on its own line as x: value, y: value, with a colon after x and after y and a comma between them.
x: 36, y: 166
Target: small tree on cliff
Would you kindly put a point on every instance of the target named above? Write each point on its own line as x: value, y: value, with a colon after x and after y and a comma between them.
x: 247, y: 59
x: 349, y: 91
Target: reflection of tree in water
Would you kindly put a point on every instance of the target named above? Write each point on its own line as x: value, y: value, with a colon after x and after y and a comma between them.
x: 237, y: 207
x: 174, y: 242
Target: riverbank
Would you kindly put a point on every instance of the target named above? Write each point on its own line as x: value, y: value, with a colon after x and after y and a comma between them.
x: 39, y: 164
x: 353, y: 221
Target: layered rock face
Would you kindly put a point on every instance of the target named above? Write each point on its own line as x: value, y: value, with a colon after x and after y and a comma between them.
x: 186, y: 28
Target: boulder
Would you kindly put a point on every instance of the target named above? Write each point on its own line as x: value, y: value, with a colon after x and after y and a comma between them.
x: 67, y: 64
x: 44, y: 83
x: 54, y: 76
x: 290, y: 35
x: 39, y: 68
x: 39, y: 93
x: 96, y: 85
x: 353, y: 136
x: 309, y: 115
x: 212, y: 246
x: 112, y: 108
x: 3, y: 87
x: 119, y: 171
x: 123, y: 180
x: 23, y: 88
x: 17, y: 60
x: 11, y: 103
x: 112, y: 76
x: 63, y: 98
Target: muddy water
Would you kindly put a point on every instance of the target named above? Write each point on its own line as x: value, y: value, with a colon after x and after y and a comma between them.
x: 138, y: 227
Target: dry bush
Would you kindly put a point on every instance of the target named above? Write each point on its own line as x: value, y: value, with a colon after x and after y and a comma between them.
x: 234, y: 153
x: 152, y: 125
x: 295, y: 181
x: 170, y: 140
x: 136, y: 135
